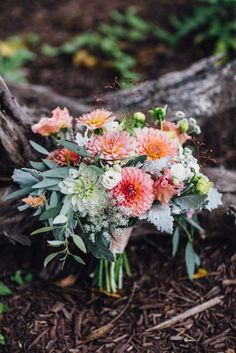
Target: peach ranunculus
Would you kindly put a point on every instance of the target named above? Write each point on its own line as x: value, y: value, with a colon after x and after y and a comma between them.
x: 155, y: 144
x: 34, y: 201
x: 165, y: 189
x: 96, y: 119
x: 134, y: 191
x: 112, y: 145
x: 175, y: 133
x: 60, y: 119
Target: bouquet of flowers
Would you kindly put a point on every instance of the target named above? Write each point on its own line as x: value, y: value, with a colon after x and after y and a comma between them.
x: 107, y: 172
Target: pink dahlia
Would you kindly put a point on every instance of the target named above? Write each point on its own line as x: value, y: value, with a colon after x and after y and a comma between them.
x: 113, y: 144
x: 165, y: 189
x: 155, y: 144
x: 60, y: 119
x: 96, y: 119
x: 134, y: 191
x: 175, y: 133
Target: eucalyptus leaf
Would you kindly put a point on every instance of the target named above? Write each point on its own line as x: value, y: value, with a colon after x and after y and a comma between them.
x: 50, y: 213
x: 49, y: 258
x: 60, y: 219
x: 74, y: 148
x: 191, y: 260
x: 50, y: 164
x: 39, y: 148
x: 57, y: 173
x: 42, y: 230
x: 175, y: 241
x: 55, y: 243
x: 18, y: 193
x: 25, y: 178
x: 79, y: 242
x: 38, y: 166
x: 78, y: 259
x: 46, y: 183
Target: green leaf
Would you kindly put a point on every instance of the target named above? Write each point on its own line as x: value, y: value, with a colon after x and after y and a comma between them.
x: 3, y: 308
x: 2, y: 340
x: 60, y: 219
x: 42, y: 230
x: 46, y: 183
x: 134, y: 161
x: 57, y: 173
x: 39, y: 148
x: 78, y: 259
x: 50, y: 164
x: 38, y: 166
x: 4, y: 290
x: 18, y: 193
x: 17, y: 278
x: 191, y: 260
x: 50, y: 213
x: 55, y: 242
x: 49, y: 258
x: 175, y: 241
x: 79, y: 242
x: 194, y: 224
x: 74, y: 148
x: 25, y: 178
x: 53, y: 199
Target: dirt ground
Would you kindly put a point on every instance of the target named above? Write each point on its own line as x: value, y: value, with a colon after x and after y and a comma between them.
x: 44, y: 317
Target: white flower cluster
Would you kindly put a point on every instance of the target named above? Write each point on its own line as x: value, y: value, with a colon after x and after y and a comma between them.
x: 186, y: 166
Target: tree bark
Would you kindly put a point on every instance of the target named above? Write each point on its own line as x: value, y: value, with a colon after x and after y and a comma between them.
x: 204, y: 90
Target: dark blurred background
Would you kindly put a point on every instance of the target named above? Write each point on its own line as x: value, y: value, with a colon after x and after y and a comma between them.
x: 81, y: 47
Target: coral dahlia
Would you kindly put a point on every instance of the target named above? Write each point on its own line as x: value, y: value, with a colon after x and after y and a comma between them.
x: 155, y: 144
x: 113, y: 144
x: 96, y: 119
x: 134, y: 191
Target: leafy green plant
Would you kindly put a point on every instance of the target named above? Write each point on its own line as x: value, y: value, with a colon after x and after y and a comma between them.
x: 4, y: 290
x: 211, y: 20
x: 19, y: 279
x: 110, y: 42
x: 2, y: 340
x: 14, y: 53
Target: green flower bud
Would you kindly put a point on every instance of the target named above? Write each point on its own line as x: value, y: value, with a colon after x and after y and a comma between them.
x: 158, y: 114
x: 203, y: 186
x: 183, y: 126
x: 139, y: 117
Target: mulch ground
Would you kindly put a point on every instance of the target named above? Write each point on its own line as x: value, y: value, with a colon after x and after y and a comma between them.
x: 43, y: 317
x: 46, y: 318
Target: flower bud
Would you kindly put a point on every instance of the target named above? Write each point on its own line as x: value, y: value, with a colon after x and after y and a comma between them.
x: 139, y: 117
x: 179, y: 114
x: 203, y: 185
x: 197, y: 130
x: 192, y: 121
x: 183, y: 126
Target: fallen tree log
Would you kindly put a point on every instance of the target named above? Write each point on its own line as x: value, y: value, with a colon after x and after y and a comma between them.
x: 204, y: 90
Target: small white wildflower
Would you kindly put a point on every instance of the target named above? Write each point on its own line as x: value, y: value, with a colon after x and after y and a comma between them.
x: 192, y: 121
x: 197, y: 130
x: 110, y: 179
x: 179, y: 114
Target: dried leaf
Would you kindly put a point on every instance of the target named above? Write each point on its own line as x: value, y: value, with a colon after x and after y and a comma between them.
x: 66, y: 282
x: 202, y: 272
x: 83, y: 58
x: 98, y: 333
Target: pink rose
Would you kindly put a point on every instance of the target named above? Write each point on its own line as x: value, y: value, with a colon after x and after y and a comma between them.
x: 60, y: 119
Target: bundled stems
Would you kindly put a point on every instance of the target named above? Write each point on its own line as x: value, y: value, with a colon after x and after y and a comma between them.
x: 108, y: 276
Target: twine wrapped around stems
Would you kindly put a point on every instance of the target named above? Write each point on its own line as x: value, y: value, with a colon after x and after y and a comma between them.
x: 120, y: 238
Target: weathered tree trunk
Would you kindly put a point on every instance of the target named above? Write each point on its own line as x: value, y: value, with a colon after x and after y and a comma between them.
x: 204, y: 90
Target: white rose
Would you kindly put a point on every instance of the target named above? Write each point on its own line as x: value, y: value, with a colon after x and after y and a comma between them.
x: 111, y: 126
x: 178, y: 171
x: 110, y: 179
